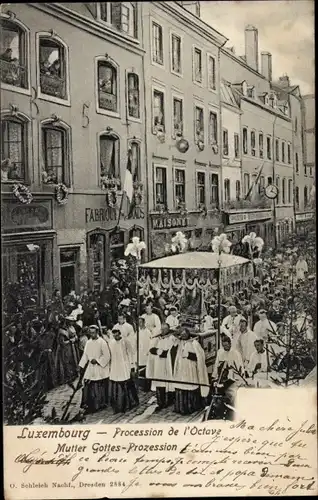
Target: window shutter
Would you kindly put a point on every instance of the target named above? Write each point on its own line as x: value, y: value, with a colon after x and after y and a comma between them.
x: 116, y: 14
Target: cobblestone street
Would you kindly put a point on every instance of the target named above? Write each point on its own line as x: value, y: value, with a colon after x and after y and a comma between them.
x: 145, y: 413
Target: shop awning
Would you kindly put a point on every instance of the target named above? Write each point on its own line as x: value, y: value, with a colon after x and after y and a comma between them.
x: 195, y: 260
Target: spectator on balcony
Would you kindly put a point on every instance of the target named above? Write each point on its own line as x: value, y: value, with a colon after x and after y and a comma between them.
x: 13, y: 173
x: 55, y: 68
x: 6, y: 55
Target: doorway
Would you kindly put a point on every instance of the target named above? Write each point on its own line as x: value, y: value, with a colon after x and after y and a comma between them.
x: 68, y: 270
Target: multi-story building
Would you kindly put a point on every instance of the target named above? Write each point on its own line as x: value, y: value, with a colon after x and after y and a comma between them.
x: 183, y: 123
x: 72, y: 112
x: 266, y: 143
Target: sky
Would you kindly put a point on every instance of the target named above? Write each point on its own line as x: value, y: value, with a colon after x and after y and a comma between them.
x: 285, y: 29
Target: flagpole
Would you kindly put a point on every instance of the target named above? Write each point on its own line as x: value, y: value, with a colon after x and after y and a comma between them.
x: 255, y: 181
x: 120, y: 210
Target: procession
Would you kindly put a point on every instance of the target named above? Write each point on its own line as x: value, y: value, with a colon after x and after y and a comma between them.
x: 177, y: 350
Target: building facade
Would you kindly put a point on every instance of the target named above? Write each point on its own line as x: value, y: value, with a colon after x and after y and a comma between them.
x: 72, y: 110
x: 183, y: 124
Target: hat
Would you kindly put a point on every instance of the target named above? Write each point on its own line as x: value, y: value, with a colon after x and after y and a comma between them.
x: 232, y: 308
x: 93, y: 327
x: 261, y: 311
x: 71, y: 317
x: 125, y: 302
x: 243, y: 319
x: 79, y: 323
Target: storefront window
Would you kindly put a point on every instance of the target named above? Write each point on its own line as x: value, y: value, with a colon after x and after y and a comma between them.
x: 96, y: 260
x: 117, y: 245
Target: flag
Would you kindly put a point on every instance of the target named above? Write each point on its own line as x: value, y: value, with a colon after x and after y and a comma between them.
x: 128, y: 184
x: 255, y: 182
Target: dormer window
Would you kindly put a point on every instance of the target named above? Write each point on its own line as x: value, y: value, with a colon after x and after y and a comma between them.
x: 266, y: 100
x: 120, y: 15
x: 272, y: 99
x: 251, y: 92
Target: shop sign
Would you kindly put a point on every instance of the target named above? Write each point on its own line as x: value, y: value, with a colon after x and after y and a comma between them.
x: 303, y: 217
x: 17, y: 217
x: 100, y: 214
x: 249, y: 216
x: 163, y: 222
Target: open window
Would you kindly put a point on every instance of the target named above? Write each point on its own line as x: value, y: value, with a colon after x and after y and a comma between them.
x: 55, y: 150
x: 121, y: 16
x: 109, y: 156
x: 133, y: 95
x: 13, y: 149
x: 107, y: 86
x: 13, y: 54
x: 53, y: 67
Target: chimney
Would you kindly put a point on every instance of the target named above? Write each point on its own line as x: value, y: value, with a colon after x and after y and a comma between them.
x: 193, y: 7
x: 251, y: 46
x: 284, y: 81
x: 266, y: 65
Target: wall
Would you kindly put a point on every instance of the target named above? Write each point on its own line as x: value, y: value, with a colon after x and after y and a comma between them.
x: 231, y: 166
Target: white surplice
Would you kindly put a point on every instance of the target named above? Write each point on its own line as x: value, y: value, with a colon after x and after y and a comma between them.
x: 96, y: 349
x: 301, y: 269
x: 153, y: 323
x: 172, y: 321
x: 186, y: 370
x: 256, y: 358
x: 161, y: 368
x: 231, y: 358
x: 120, y: 359
x: 264, y: 328
x: 231, y: 327
x: 144, y: 345
x: 245, y: 345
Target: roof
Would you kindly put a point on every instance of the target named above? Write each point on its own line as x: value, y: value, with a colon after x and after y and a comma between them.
x: 227, y: 94
x: 196, y: 260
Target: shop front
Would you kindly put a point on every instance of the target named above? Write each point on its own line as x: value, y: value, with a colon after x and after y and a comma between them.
x: 239, y: 223
x: 27, y: 252
x: 91, y: 239
x: 198, y: 228
x: 305, y: 223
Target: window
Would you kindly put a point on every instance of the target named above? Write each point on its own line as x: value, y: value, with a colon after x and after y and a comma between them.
x: 158, y: 111
x: 157, y: 44
x: 283, y: 152
x: 227, y: 190
x: 225, y: 142
x: 179, y: 187
x: 213, y: 128
x: 251, y: 92
x: 279, y: 190
x: 13, y: 61
x: 236, y: 146
x: 13, y: 150
x: 310, y: 171
x: 297, y: 196
x: 200, y: 189
x: 253, y: 143
x: 261, y: 184
x: 107, y: 86
x: 53, y: 68
x: 176, y: 54
x: 261, y: 145
x: 116, y: 245
x: 246, y: 183
x: 161, y: 187
x: 120, y: 15
x: 283, y: 191
x: 54, y: 154
x: 296, y: 125
x: 238, y: 190
x: 211, y: 73
x: 177, y: 117
x: 135, y: 161
x: 69, y: 261
x: 290, y: 190
x: 305, y: 196
x: 269, y: 181
x: 199, y: 124
x: 133, y: 95
x: 269, y: 147
x: 197, y: 64
x: 289, y: 154
x: 296, y: 163
x: 305, y: 170
x: 276, y: 149
x: 109, y: 156
x: 215, y: 190
x: 245, y: 150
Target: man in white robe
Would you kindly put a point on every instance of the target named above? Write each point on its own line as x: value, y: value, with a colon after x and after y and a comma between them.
x: 160, y: 365
x: 245, y: 342
x: 145, y: 344
x: 94, y: 365
x: 190, y: 368
x: 123, y: 392
x: 152, y: 320
x: 259, y: 361
x: 127, y: 332
x: 231, y: 325
x: 264, y: 328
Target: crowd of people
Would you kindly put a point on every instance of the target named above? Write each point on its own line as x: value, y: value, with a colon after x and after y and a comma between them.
x: 94, y: 337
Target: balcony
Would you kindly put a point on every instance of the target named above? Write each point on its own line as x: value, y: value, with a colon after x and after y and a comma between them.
x: 235, y: 205
x: 107, y: 101
x: 53, y: 85
x: 13, y: 74
x: 240, y: 211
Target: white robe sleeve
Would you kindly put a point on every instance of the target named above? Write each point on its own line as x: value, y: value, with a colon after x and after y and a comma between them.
x: 84, y: 358
x: 203, y: 377
x: 215, y: 369
x: 104, y: 359
x: 157, y: 324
